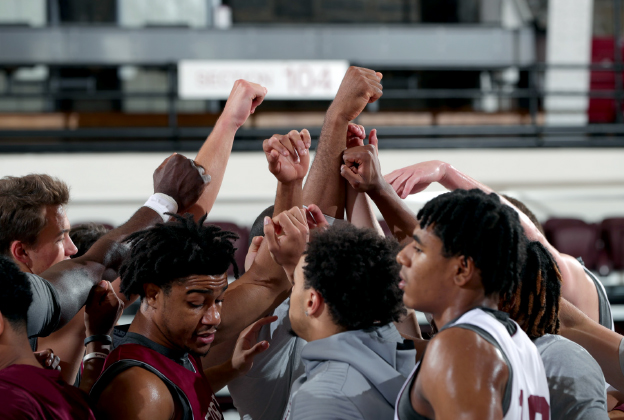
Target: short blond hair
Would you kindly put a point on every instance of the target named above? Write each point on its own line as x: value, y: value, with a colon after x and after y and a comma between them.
x: 22, y: 200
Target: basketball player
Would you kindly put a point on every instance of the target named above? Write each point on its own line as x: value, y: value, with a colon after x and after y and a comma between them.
x: 467, y: 249
x: 179, y: 270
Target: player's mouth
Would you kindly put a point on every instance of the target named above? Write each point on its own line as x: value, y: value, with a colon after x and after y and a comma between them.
x: 206, y: 338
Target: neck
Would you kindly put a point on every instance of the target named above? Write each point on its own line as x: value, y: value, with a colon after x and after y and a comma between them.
x: 15, y: 350
x: 462, y: 305
x: 145, y: 325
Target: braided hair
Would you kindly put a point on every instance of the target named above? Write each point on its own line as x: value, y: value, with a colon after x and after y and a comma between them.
x: 356, y: 272
x: 174, y: 250
x: 534, y: 305
x: 478, y: 226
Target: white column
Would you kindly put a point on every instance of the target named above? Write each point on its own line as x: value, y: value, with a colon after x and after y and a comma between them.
x: 568, y: 42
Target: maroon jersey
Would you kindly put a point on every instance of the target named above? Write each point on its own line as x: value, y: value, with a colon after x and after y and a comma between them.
x: 190, y: 389
x: 30, y: 392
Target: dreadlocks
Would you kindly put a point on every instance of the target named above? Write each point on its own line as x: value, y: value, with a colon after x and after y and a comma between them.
x: 174, y: 250
x: 477, y: 225
x: 535, y: 303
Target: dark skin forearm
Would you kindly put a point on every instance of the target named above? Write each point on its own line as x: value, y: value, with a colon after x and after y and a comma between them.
x: 288, y: 196
x: 325, y: 186
x: 400, y: 219
x: 73, y: 279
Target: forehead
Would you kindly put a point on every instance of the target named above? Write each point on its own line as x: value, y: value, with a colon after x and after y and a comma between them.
x: 202, y: 282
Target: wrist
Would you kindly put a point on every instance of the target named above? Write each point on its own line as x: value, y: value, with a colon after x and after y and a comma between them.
x: 379, y: 190
x: 226, y: 123
x: 162, y: 203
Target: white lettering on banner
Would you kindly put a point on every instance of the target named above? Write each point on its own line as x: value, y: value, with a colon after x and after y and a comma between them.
x: 298, y: 80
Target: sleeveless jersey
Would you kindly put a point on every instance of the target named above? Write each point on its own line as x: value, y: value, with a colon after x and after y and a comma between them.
x: 36, y: 393
x: 527, y: 392
x: 191, y: 389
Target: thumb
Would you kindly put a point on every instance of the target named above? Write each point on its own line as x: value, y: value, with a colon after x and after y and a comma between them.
x: 255, y: 243
x: 353, y: 179
x: 269, y: 234
x: 372, y: 138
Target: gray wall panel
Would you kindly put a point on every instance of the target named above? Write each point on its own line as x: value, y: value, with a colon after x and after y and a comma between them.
x: 396, y: 46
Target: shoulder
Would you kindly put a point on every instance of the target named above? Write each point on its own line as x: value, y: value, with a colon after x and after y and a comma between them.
x: 466, y: 356
x: 136, y: 394
x: 16, y: 403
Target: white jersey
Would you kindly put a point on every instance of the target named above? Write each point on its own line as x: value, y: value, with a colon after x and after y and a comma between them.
x: 527, y: 394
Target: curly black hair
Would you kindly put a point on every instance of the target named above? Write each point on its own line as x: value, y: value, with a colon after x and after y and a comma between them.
x: 534, y: 305
x: 477, y: 225
x: 356, y: 272
x: 15, y: 294
x: 85, y: 235
x: 174, y: 250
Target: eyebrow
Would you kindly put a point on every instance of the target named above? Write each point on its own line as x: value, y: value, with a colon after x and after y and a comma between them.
x: 417, y: 239
x: 63, y: 232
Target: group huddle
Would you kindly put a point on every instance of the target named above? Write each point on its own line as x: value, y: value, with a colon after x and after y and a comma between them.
x: 321, y: 323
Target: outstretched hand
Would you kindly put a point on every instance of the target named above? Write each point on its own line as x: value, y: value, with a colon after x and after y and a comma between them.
x: 242, y: 102
x: 247, y: 347
x: 288, y: 155
x: 361, y: 166
x: 415, y: 178
x: 287, y: 235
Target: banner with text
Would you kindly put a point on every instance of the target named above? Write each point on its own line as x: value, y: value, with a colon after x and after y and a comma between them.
x: 295, y: 80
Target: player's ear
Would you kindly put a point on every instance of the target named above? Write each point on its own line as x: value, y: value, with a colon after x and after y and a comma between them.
x: 19, y: 253
x: 152, y: 294
x: 313, y: 302
x: 465, y: 270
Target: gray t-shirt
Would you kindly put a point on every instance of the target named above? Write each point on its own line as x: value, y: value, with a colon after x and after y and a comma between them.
x: 44, y: 313
x: 263, y: 393
x: 575, y: 380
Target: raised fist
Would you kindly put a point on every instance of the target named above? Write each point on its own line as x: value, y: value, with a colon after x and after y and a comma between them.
x: 179, y: 178
x: 287, y: 236
x: 359, y: 88
x: 242, y: 102
x: 102, y: 310
x: 356, y: 134
x: 288, y: 155
x: 361, y: 166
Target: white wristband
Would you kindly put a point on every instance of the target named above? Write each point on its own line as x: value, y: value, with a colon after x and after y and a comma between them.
x: 161, y: 204
x: 94, y: 355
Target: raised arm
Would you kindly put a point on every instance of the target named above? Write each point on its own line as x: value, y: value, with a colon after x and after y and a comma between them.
x: 324, y: 186
x: 358, y: 206
x: 363, y: 171
x: 215, y: 152
x: 264, y: 286
x: 576, y: 287
x: 73, y: 279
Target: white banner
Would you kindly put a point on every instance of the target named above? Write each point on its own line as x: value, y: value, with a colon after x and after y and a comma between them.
x: 298, y: 80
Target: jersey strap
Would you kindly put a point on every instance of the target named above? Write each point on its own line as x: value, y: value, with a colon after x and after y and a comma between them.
x: 190, y: 389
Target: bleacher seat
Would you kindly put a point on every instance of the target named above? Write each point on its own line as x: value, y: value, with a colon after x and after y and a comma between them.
x: 612, y: 233
x: 241, y: 243
x: 574, y: 237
